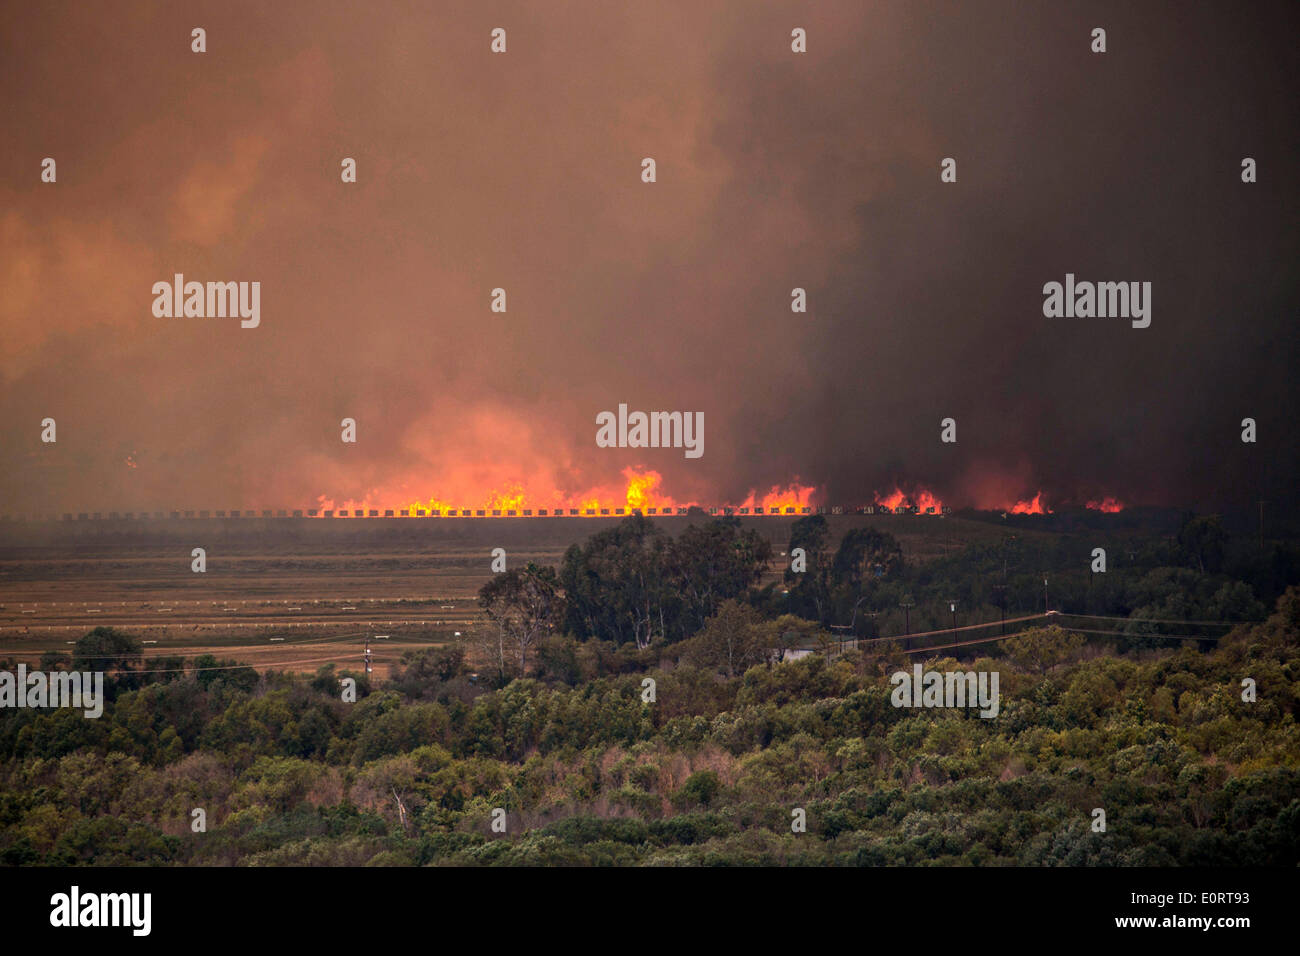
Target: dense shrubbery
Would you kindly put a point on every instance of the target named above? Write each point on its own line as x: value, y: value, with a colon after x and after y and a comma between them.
x: 287, y: 773
x: 588, y: 772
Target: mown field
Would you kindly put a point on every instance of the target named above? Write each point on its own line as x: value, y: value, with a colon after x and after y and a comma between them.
x: 275, y: 587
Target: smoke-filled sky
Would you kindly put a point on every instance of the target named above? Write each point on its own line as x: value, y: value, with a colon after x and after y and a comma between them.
x: 522, y: 171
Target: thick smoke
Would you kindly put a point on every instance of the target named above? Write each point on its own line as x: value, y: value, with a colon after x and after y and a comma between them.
x: 522, y: 171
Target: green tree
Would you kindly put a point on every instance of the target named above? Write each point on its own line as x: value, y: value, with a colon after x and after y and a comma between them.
x: 712, y: 564
x: 615, y: 584
x: 732, y: 640
x: 525, y: 605
x: 1203, y: 541
x: 1042, y: 648
x: 111, y: 651
x: 420, y: 674
x: 866, y: 558
x: 810, y: 589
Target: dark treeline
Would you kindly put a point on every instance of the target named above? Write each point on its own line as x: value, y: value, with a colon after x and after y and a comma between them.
x: 633, y: 584
x: 1198, y: 573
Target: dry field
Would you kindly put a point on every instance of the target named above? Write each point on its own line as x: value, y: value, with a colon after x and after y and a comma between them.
x: 297, y: 592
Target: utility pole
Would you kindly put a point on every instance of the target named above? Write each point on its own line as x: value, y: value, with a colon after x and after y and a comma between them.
x: 1002, y: 604
x: 874, y: 630
x: 839, y: 630
x: 1006, y: 543
x: 907, y: 622
x: 1046, y: 607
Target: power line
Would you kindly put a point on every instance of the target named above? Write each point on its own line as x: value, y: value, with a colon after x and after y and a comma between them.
x: 949, y: 630
x: 1155, y: 620
x: 1161, y: 637
x: 1001, y: 637
x: 1033, y: 617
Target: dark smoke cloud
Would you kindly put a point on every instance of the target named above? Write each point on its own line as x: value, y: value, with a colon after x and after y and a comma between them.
x: 522, y: 171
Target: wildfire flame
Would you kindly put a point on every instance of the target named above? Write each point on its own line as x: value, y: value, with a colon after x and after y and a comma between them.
x: 642, y: 490
x: 892, y: 501
x: 1107, y: 504
x: 1033, y: 506
x: 795, y: 496
x: 509, y: 499
x: 924, y: 501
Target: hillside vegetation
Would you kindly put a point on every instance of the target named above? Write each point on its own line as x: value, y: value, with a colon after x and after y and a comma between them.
x: 555, y: 733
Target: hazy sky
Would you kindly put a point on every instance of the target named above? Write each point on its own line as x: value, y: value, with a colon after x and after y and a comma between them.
x: 523, y: 171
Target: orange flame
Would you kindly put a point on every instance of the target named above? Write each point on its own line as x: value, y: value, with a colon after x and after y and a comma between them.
x: 511, y: 499
x: 1032, y: 507
x: 642, y: 491
x: 892, y: 501
x: 927, y: 503
x: 430, y: 506
x: 778, y: 497
x: 924, y: 501
x: 1107, y: 504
